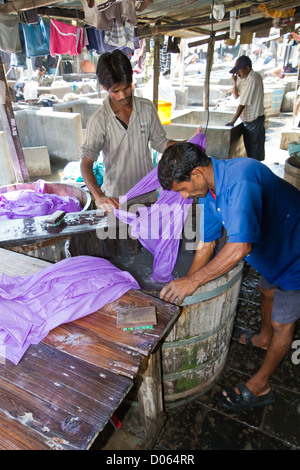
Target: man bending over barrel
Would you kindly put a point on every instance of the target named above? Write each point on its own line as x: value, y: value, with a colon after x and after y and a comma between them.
x: 261, y: 215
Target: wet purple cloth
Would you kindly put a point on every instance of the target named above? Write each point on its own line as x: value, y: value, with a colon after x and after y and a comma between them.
x: 31, y: 306
x: 159, y: 227
x: 28, y: 203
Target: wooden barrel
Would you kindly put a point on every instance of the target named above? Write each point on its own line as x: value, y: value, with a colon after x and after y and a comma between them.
x: 195, y: 350
x: 292, y: 171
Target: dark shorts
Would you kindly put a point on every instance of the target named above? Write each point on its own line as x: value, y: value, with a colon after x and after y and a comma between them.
x: 286, y: 305
x: 254, y: 138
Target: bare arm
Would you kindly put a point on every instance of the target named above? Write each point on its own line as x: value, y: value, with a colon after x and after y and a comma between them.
x: 236, y: 95
x: 105, y: 203
x: 226, y: 259
x: 235, y: 90
x: 236, y: 116
x: 204, y: 253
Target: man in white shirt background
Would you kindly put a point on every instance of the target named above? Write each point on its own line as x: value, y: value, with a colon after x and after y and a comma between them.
x: 248, y: 87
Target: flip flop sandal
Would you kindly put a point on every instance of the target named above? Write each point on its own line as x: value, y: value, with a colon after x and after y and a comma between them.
x: 238, y: 332
x: 245, y: 400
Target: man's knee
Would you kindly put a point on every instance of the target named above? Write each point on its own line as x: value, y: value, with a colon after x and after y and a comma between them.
x: 267, y: 293
x: 283, y: 329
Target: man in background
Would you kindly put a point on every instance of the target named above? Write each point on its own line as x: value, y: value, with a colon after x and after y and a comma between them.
x: 248, y: 87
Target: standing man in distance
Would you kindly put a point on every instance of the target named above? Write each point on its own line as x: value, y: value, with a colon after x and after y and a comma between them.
x: 122, y: 128
x: 248, y: 86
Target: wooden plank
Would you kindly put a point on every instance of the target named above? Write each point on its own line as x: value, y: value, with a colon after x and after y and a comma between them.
x: 50, y: 422
x: 67, y: 405
x: 90, y: 347
x: 15, y: 232
x: 121, y: 350
x: 15, y: 264
x: 68, y: 383
x: 14, y: 436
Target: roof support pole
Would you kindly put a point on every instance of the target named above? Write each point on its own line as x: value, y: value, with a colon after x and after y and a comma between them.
x: 10, y: 129
x: 209, y: 64
x: 157, y: 41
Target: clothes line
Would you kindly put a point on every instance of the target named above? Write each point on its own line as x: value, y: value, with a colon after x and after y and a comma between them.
x: 109, y: 25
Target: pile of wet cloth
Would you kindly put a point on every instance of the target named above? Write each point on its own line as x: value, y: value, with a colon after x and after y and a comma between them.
x: 31, y: 306
x: 31, y: 203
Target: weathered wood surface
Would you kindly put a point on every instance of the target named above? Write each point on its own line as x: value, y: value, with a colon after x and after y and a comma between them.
x: 28, y: 230
x: 65, y: 389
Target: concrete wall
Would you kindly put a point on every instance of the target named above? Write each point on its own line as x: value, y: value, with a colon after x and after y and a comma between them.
x: 60, y: 132
x: 221, y: 141
x: 6, y: 169
x: 84, y: 106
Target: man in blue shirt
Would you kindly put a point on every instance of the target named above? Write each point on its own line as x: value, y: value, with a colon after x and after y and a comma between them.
x: 261, y: 215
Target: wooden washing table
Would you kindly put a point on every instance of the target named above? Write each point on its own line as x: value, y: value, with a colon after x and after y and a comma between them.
x: 66, y: 388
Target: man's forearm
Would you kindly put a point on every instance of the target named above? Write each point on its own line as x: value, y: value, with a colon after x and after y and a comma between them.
x: 239, y: 111
x: 203, y: 254
x: 225, y: 260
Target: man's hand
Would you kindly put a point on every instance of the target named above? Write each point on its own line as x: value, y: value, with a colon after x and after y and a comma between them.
x: 107, y: 204
x: 179, y: 288
x: 231, y: 123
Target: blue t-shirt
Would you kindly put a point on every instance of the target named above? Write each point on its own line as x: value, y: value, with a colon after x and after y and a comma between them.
x: 256, y: 206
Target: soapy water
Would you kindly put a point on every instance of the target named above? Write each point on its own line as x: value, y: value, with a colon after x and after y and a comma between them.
x: 140, y: 265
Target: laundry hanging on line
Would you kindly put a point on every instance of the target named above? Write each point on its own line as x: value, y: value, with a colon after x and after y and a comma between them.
x: 37, y: 38
x: 9, y: 34
x: 65, y: 38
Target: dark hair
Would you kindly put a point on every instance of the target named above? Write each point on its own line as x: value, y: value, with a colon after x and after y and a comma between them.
x: 178, y: 162
x: 113, y: 68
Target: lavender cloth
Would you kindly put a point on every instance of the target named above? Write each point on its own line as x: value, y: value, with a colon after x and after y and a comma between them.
x: 159, y: 227
x: 28, y: 203
x: 31, y: 306
x: 150, y: 227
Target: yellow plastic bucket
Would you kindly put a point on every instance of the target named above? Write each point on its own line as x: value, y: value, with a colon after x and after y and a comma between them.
x: 164, y: 112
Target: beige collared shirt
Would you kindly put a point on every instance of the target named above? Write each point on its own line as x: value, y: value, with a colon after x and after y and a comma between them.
x: 251, y: 91
x: 126, y: 153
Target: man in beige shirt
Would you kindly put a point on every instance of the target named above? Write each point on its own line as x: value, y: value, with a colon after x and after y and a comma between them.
x: 248, y: 87
x: 122, y: 129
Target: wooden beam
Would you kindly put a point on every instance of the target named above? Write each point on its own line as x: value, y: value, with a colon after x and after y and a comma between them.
x: 61, y: 13
x: 23, y: 5
x: 156, y: 70
x: 221, y: 37
x: 209, y: 64
x: 10, y: 129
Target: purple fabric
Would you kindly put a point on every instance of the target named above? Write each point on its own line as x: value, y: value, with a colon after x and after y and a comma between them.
x: 27, y: 203
x: 31, y: 306
x: 159, y: 227
x: 199, y: 139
